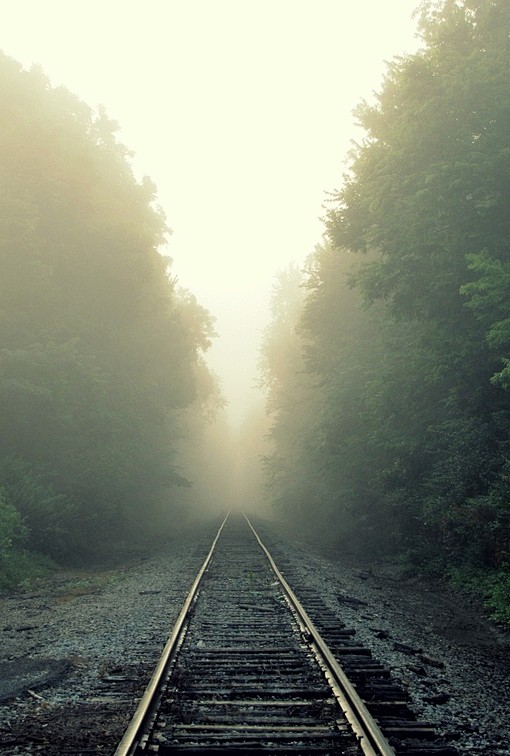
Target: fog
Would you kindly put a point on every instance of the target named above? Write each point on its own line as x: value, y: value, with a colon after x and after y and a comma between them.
x: 165, y: 167
x: 241, y: 114
x: 225, y: 468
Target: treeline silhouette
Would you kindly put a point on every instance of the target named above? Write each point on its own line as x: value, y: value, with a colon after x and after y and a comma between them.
x: 387, y: 361
x: 101, y: 368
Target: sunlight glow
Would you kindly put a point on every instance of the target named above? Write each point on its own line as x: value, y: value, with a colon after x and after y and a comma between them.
x: 239, y: 110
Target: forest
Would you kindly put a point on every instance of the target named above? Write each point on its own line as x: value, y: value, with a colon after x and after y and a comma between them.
x: 387, y: 359
x: 385, y: 362
x: 102, y: 373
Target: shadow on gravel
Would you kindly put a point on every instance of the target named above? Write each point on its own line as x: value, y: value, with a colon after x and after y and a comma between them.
x: 19, y: 675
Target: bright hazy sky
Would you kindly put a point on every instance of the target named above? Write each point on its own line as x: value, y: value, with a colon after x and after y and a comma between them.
x: 239, y: 110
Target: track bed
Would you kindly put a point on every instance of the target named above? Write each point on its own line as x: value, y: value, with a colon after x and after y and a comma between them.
x: 248, y: 671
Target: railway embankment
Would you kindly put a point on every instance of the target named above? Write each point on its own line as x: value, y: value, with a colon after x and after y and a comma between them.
x: 77, y: 651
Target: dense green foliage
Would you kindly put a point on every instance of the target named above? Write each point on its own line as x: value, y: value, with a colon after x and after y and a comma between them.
x: 99, y: 354
x: 400, y: 416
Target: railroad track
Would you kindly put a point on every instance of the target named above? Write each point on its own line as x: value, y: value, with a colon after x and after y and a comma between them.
x: 249, y: 668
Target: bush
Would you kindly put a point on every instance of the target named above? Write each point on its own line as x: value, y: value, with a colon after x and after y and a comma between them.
x: 493, y: 587
x: 498, y: 596
x: 44, y: 514
x: 17, y: 566
x: 12, y: 529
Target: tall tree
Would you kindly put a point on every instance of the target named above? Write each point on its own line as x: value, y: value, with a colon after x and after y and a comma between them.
x: 99, y: 356
x: 427, y: 196
x: 405, y: 325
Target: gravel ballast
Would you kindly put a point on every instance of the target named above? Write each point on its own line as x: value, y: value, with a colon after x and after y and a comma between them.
x: 77, y: 650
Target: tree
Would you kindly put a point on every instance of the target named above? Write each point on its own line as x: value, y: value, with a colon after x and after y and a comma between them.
x: 404, y: 335
x: 99, y: 355
x: 427, y: 198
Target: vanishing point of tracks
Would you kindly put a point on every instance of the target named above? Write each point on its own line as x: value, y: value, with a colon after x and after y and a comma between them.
x: 249, y: 669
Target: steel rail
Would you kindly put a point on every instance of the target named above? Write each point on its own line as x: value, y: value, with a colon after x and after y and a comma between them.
x: 148, y: 702
x: 371, y: 739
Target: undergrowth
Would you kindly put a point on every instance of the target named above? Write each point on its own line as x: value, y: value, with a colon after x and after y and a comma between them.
x: 84, y: 586
x: 493, y: 587
x: 19, y: 568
